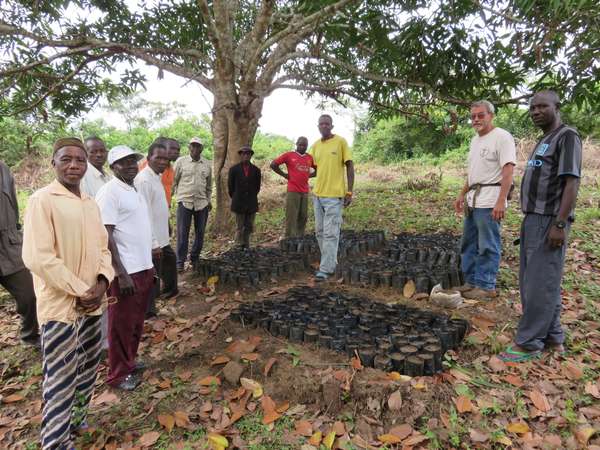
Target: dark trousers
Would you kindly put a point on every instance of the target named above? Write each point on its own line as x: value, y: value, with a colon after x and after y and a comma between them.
x: 540, y: 275
x: 296, y: 213
x: 168, y: 270
x: 126, y: 324
x: 184, y: 223
x: 70, y: 355
x: 245, y: 227
x: 20, y: 286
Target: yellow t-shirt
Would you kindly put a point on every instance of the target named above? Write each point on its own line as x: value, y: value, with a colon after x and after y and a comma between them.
x: 330, y: 157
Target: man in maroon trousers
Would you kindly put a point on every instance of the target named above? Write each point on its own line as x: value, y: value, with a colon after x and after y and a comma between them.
x: 125, y: 216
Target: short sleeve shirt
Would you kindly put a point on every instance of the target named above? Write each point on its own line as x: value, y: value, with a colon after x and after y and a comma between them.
x: 122, y: 206
x: 330, y: 157
x: 298, y: 168
x: 556, y: 155
x: 148, y: 184
x: 488, y: 154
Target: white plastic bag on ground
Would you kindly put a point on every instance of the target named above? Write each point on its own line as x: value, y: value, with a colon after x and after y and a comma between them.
x: 446, y: 299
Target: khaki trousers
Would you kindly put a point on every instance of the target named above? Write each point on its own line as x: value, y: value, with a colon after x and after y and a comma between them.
x: 296, y: 214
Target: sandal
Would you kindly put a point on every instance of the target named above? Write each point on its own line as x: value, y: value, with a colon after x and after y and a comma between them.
x: 512, y: 355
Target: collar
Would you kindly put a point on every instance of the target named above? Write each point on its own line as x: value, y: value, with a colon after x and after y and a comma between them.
x: 300, y: 154
x: 124, y: 185
x: 95, y: 172
x: 328, y: 139
x: 56, y: 188
x: 151, y: 172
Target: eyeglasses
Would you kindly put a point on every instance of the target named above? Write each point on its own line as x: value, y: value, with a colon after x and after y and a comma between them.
x: 480, y: 115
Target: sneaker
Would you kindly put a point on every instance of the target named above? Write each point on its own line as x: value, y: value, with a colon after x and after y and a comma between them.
x: 478, y: 293
x: 129, y: 383
x: 321, y: 276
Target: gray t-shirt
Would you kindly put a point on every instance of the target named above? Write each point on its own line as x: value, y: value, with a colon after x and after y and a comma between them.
x: 556, y: 155
x: 487, y: 156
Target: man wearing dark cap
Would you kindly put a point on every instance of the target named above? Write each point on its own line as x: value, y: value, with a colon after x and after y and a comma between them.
x: 65, y: 246
x: 244, y: 185
x: 127, y: 220
x: 14, y: 277
x: 193, y: 188
x: 548, y: 195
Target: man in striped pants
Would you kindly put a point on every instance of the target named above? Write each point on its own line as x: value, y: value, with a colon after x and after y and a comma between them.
x: 65, y: 245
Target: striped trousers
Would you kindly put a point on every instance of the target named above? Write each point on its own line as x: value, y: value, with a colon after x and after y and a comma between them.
x: 71, y: 353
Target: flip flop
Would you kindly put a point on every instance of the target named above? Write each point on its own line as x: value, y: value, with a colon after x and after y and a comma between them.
x: 512, y: 355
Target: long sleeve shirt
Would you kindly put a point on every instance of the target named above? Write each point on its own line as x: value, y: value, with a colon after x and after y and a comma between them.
x: 193, y: 182
x: 65, y: 245
x: 149, y: 185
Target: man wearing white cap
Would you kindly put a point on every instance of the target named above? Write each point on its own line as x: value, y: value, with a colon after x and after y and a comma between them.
x: 193, y: 187
x: 126, y: 218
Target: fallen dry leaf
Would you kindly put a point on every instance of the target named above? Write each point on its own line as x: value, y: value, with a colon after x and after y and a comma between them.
x: 329, y: 439
x: 572, y: 371
x: 402, y: 431
x: 592, y: 389
x: 185, y: 376
x: 270, y: 417
x: 389, y: 439
x: 167, y: 421
x: 268, y: 366
x: 283, y: 407
x: 253, y: 386
x: 217, y: 442
x: 514, y: 380
x: 355, y: 363
x: 339, y: 428
x: 415, y: 439
x: 12, y: 398
x: 250, y: 356
x: 220, y: 360
x: 209, y: 381
x: 540, y: 401
x: 463, y: 404
x: 496, y: 364
x: 395, y: 401
x: 107, y: 398
x: 584, y: 433
x: 409, y: 289
x: 316, y: 439
x: 460, y: 375
x: 149, y: 439
x: 518, y: 427
x: 303, y: 428
x: 267, y: 404
x: 478, y: 436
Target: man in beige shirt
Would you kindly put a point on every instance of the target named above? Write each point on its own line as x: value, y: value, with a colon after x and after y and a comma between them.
x: 192, y: 187
x: 65, y: 245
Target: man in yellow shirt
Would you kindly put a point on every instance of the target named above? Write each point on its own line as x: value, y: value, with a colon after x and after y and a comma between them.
x: 332, y: 159
x: 65, y: 245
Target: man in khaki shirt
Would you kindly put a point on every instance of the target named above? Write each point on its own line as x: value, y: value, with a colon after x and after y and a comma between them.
x: 192, y: 187
x: 65, y: 246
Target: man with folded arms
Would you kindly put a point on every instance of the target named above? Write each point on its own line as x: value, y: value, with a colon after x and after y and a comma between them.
x: 126, y: 218
x: 65, y: 247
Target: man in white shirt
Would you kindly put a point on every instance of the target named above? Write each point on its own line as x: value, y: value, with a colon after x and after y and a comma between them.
x: 149, y: 184
x: 126, y: 218
x: 95, y: 177
x: 483, y: 199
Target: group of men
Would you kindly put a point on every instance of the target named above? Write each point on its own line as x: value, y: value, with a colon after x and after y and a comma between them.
x: 97, y: 242
x: 548, y: 193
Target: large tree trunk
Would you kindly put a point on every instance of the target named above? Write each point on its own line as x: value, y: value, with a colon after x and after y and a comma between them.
x: 232, y: 128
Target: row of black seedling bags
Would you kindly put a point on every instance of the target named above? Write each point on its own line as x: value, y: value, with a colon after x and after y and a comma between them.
x: 387, y: 337
x: 352, y: 243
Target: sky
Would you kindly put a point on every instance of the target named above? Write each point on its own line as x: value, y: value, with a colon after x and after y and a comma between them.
x: 285, y: 112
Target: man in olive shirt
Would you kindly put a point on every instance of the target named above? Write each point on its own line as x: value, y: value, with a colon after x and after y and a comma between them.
x: 333, y: 160
x: 193, y: 187
x: 14, y: 277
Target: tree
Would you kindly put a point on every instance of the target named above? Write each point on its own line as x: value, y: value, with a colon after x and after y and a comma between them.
x: 397, y: 55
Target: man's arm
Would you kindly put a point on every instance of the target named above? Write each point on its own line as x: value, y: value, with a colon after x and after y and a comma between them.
x: 459, y: 203
x: 507, y: 179
x: 556, y: 236
x: 126, y: 285
x: 176, y: 176
x: 350, y: 176
x: 209, y: 186
x: 275, y: 168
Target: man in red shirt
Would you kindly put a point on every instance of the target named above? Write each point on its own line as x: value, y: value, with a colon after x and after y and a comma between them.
x: 298, y: 165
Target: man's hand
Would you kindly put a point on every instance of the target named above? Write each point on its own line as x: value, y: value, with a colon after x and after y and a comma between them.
x: 459, y: 204
x: 126, y: 286
x: 156, y: 253
x: 347, y: 200
x: 92, y: 299
x: 556, y: 237
x: 499, y: 210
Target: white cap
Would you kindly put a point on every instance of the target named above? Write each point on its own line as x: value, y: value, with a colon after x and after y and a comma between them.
x: 196, y: 140
x: 120, y: 152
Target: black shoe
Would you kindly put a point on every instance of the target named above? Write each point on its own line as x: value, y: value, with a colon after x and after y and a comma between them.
x: 129, y: 383
x: 34, y: 342
x: 170, y: 294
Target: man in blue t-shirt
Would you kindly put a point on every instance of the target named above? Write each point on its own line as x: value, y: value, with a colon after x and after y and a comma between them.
x: 548, y: 194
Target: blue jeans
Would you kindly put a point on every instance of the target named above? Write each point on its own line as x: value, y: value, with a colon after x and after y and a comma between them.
x: 184, y: 223
x: 481, y: 249
x: 328, y: 221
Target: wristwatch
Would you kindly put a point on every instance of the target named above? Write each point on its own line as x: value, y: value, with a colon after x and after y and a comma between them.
x: 560, y: 224
x: 348, y: 194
